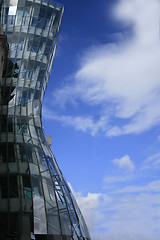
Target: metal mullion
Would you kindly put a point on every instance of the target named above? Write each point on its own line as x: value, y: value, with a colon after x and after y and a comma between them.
x: 66, y: 207
x: 75, y: 211
x: 40, y: 144
x: 33, y: 150
x: 42, y: 182
x: 41, y: 178
x: 22, y: 60
x: 49, y: 168
x: 6, y: 135
x: 58, y: 204
x: 53, y: 188
x: 36, y: 56
x: 27, y: 116
x: 56, y: 39
x: 41, y: 37
x: 49, y: 28
x: 20, y: 106
x: 70, y: 197
x: 38, y: 163
x: 42, y: 192
x: 44, y: 155
x: 13, y: 117
x: 4, y: 90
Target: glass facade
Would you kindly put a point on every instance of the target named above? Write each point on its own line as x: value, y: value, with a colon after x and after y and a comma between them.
x: 35, y: 200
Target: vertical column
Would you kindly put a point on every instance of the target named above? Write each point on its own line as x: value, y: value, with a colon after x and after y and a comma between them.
x: 3, y: 55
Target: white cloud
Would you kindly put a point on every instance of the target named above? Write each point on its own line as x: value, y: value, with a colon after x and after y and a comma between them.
x: 152, y: 162
x: 89, y: 205
x: 153, y: 186
x: 124, y: 162
x: 122, y: 77
x: 124, y: 216
x: 78, y: 122
x: 116, y: 179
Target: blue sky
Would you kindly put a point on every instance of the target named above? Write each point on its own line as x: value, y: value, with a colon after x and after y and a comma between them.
x: 102, y: 110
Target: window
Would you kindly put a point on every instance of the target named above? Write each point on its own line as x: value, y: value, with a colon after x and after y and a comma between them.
x: 3, y: 186
x: 44, y: 160
x: 3, y: 153
x: 35, y: 45
x: 25, y: 19
x: 28, y: 74
x: 13, y: 187
x: 34, y: 21
x: 9, y: 186
x: 22, y: 128
x: 12, y: 70
x: 7, y: 153
x: 25, y: 73
x: 37, y: 188
x: 11, y: 20
x: 20, y: 46
x: 10, y: 125
x: 39, y: 21
x: 6, y: 124
x: 50, y: 164
x: 22, y: 152
x: 19, y: 17
x: 11, y: 153
x: 27, y: 187
x: 25, y: 155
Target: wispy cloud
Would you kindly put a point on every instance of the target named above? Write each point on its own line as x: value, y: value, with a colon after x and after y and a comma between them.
x: 82, y: 123
x: 117, y: 179
x: 122, y: 77
x: 153, y: 186
x: 152, y: 162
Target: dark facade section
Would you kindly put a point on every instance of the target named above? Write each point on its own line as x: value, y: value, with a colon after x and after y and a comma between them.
x: 35, y: 200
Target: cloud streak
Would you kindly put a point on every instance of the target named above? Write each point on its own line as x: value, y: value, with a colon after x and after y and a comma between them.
x: 122, y: 78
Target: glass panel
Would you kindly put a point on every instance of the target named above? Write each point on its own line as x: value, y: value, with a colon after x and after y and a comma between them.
x: 13, y: 186
x: 40, y: 225
x: 11, y: 20
x: 53, y: 219
x: 36, y: 185
x: 51, y: 206
x: 11, y: 152
x: 3, y: 186
x: 27, y: 187
x: 22, y: 128
x: 22, y: 153
x: 7, y: 153
x: 9, y: 186
x: 13, y: 2
x: 19, y: 17
x: 34, y: 21
x: 38, y: 202
x: 3, y: 153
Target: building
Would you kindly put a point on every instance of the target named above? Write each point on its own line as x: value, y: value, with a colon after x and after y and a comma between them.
x: 3, y: 54
x: 35, y: 200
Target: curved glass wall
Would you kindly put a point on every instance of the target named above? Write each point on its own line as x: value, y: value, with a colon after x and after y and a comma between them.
x: 35, y: 200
